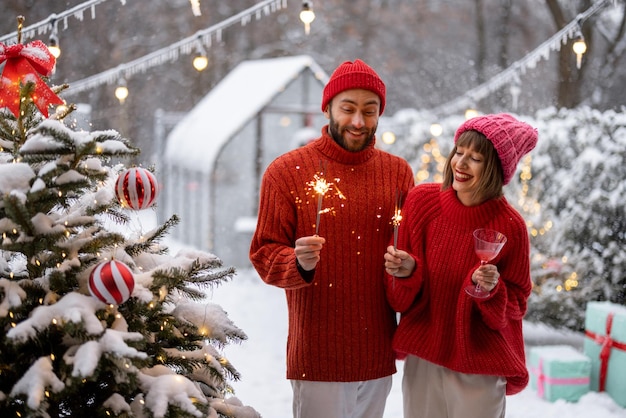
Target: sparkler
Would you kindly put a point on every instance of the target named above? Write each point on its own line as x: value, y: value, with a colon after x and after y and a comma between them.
x: 320, y: 186
x: 396, y: 218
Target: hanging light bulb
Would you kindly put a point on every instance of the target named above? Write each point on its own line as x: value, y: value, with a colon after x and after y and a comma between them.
x: 53, y: 46
x: 388, y: 137
x: 121, y: 92
x: 195, y: 7
x: 579, y: 47
x: 436, y: 129
x: 470, y: 113
x: 200, y: 61
x: 307, y: 16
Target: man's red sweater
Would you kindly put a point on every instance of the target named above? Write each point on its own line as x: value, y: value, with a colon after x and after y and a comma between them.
x: 439, y: 321
x: 340, y: 324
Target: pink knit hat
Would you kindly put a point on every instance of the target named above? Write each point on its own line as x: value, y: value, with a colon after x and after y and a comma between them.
x: 511, y: 138
x: 354, y: 75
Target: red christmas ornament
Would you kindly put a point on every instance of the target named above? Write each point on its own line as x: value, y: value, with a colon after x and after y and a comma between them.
x: 112, y: 282
x: 136, y: 188
x: 24, y: 63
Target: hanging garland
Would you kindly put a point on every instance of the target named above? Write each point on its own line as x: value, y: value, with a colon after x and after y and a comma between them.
x: 51, y: 23
x: 511, y: 74
x: 204, y: 38
x: 171, y: 53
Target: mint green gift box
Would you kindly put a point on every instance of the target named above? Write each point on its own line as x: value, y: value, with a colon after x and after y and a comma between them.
x: 559, y: 372
x: 605, y: 345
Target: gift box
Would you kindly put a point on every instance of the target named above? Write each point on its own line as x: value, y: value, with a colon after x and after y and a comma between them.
x: 559, y: 372
x: 605, y: 345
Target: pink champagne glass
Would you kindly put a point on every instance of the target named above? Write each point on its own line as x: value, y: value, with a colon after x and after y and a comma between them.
x: 487, y: 245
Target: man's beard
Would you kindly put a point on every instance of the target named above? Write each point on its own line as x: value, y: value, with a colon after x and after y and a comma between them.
x: 337, y: 135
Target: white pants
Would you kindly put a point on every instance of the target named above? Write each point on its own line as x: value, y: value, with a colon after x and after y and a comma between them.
x: 340, y: 399
x: 432, y: 391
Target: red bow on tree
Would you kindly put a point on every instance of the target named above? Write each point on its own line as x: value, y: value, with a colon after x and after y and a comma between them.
x: 23, y: 65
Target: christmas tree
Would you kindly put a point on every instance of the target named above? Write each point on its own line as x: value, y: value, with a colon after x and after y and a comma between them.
x: 95, y: 322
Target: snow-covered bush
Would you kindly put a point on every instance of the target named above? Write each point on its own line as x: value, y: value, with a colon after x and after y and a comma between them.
x: 579, y: 178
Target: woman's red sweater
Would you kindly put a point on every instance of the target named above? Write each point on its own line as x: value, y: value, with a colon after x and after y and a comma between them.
x: 340, y: 324
x: 439, y: 321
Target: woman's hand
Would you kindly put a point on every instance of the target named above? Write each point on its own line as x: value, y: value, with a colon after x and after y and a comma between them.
x: 399, y: 263
x: 486, y: 276
x: 308, y: 251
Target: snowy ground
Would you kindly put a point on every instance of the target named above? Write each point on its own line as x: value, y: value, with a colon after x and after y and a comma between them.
x: 260, y: 311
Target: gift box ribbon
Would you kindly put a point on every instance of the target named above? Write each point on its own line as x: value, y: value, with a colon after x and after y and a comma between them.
x: 606, y: 344
x: 542, y: 380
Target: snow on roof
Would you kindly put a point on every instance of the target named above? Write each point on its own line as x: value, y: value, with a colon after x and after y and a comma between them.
x: 198, y: 138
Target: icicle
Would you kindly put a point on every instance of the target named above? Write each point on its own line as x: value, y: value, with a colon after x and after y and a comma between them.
x: 186, y: 49
x: 206, y: 39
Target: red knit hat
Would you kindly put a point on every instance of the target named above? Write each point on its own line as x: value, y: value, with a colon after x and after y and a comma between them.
x: 354, y: 75
x: 511, y: 138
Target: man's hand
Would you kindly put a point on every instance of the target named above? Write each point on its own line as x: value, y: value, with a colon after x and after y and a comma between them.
x: 308, y: 251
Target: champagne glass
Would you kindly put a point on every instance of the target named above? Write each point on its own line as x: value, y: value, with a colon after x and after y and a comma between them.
x: 487, y: 245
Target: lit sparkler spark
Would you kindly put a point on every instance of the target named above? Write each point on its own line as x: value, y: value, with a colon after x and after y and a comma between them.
x: 321, y: 187
x: 397, y: 218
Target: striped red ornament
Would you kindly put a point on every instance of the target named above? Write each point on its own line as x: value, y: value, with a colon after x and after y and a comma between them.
x: 136, y: 188
x: 112, y: 282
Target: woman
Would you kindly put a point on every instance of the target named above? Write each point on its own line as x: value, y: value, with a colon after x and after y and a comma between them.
x: 463, y: 354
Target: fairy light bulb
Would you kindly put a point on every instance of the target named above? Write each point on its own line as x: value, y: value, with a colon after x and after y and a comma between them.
x: 436, y: 129
x: 579, y: 47
x: 470, y: 113
x: 388, y: 137
x: 121, y: 92
x: 307, y: 16
x: 195, y: 7
x: 200, y: 62
x: 54, y: 47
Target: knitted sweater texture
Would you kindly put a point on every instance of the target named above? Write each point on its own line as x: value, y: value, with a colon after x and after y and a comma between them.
x: 340, y: 323
x: 439, y: 321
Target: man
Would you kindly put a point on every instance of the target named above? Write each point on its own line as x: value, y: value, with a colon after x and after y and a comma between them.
x: 326, y: 250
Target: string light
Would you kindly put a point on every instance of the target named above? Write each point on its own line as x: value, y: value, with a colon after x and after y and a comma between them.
x: 529, y: 61
x: 579, y: 47
x: 470, y: 113
x: 388, y: 137
x: 43, y: 26
x: 170, y: 53
x: 200, y: 61
x: 195, y: 7
x: 53, y: 46
x: 165, y: 55
x: 307, y: 16
x: 432, y: 160
x: 121, y: 92
x: 436, y: 129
